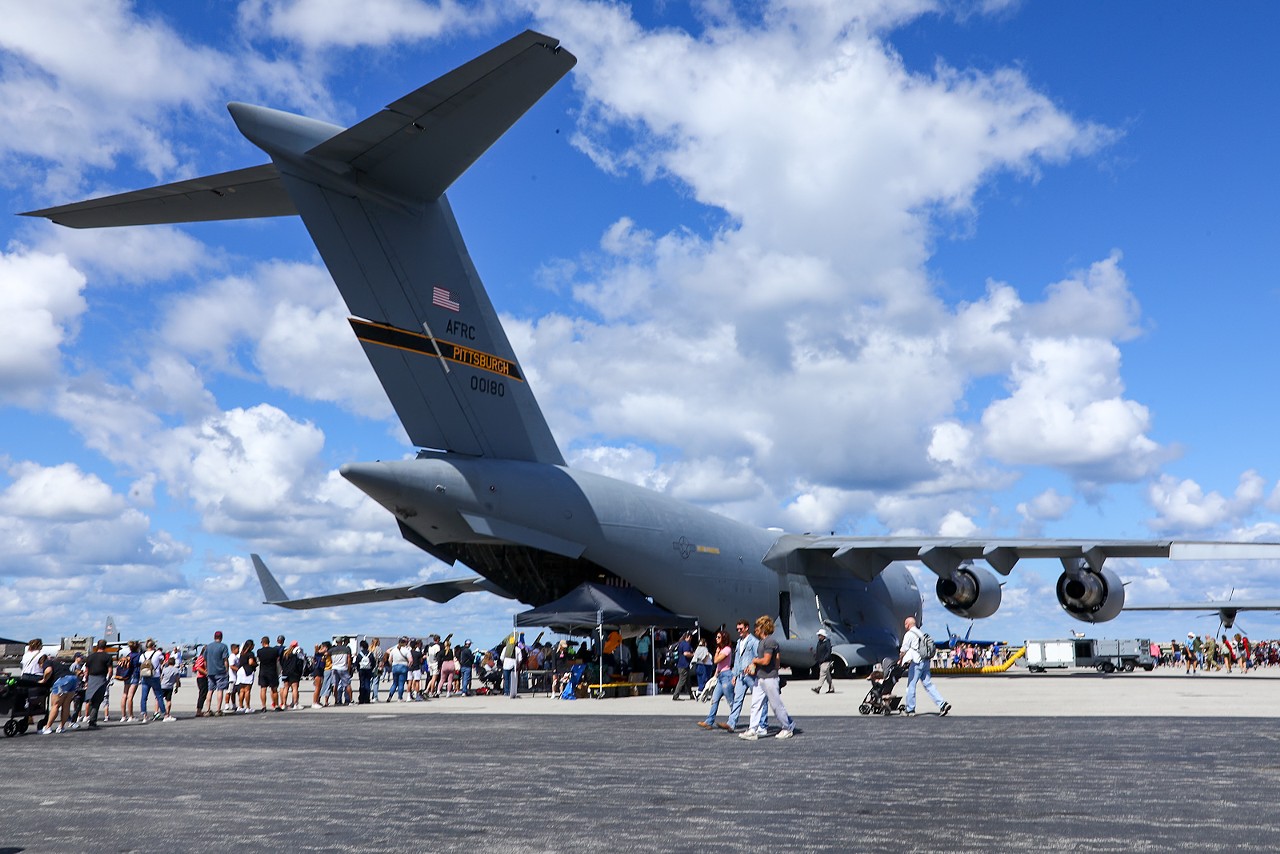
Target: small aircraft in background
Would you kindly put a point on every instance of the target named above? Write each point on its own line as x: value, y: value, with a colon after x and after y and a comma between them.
x: 953, y: 640
x: 1226, y: 609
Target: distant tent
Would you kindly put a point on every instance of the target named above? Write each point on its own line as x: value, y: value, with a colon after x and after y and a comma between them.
x: 590, y: 606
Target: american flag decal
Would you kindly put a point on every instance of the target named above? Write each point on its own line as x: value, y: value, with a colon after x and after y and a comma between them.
x: 444, y: 299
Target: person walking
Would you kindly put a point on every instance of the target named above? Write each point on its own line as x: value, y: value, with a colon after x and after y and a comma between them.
x: 684, y: 658
x: 822, y: 657
x: 768, y: 686
x: 918, y: 669
x: 745, y: 650
x: 723, y: 661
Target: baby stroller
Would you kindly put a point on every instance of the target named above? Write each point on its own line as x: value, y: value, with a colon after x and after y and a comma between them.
x: 490, y: 682
x: 880, y: 700
x: 19, y: 697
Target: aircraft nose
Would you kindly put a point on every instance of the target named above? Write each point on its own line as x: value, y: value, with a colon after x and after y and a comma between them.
x: 377, y: 480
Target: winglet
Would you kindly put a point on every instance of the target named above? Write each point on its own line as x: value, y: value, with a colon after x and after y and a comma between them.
x: 271, y: 588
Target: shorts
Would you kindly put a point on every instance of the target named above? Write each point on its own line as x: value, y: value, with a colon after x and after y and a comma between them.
x: 217, y: 681
x: 65, y: 685
x: 415, y: 675
x: 268, y: 679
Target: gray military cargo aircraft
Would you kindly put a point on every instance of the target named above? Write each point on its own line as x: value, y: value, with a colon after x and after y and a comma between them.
x: 490, y: 489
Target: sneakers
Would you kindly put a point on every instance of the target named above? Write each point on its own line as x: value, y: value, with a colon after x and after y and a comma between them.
x: 786, y: 733
x: 74, y: 725
x: 749, y: 735
x: 942, y: 711
x: 168, y: 718
x: 45, y: 731
x: 814, y: 690
x: 158, y: 717
x: 911, y: 713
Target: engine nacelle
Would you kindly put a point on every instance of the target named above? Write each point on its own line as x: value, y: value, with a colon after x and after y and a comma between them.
x: 1091, y: 595
x: 970, y: 592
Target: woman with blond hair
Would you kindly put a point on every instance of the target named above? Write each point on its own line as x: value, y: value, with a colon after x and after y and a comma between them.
x: 765, y: 668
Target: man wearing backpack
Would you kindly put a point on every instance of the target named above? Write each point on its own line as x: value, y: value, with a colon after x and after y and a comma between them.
x: 912, y: 655
x: 365, y: 662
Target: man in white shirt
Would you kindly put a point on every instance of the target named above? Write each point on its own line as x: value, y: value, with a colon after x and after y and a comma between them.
x: 918, y: 669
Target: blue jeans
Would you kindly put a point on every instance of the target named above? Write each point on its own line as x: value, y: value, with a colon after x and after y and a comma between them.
x: 399, y: 676
x: 464, y: 680
x: 918, y: 671
x: 739, y: 695
x: 507, y: 677
x: 724, y: 688
x: 342, y: 684
x: 373, y: 685
x: 149, y: 684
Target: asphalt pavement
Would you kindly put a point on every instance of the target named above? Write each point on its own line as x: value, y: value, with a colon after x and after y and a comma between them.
x: 382, y: 778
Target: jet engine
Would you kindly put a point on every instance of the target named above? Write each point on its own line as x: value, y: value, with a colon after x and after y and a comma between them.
x: 969, y: 591
x: 1091, y: 595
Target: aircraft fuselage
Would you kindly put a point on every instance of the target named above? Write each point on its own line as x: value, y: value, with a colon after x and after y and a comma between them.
x: 688, y: 559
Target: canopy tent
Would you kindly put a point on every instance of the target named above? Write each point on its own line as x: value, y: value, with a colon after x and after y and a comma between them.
x: 593, y: 607
x: 590, y: 606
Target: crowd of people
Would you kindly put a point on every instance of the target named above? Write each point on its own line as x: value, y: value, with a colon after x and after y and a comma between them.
x: 1230, y: 653
x: 229, y: 679
x: 261, y: 676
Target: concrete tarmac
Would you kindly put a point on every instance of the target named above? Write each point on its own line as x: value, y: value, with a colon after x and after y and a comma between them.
x: 1053, y: 762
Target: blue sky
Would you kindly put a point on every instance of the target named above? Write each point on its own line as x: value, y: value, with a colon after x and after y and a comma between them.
x: 987, y: 268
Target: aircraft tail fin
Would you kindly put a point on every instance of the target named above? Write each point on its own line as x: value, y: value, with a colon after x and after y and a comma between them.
x: 372, y: 198
x: 272, y: 592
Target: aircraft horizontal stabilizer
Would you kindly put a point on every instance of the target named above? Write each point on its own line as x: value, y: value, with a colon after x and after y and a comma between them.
x: 241, y: 194
x: 436, y: 591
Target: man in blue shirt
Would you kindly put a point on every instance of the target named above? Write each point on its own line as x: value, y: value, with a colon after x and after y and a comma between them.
x: 216, y: 655
x: 684, y: 656
x: 748, y: 647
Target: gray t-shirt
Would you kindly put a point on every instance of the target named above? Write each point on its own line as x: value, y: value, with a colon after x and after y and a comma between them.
x: 768, y: 647
x: 215, y: 658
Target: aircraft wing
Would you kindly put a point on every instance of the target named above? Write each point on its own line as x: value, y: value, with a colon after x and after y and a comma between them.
x: 436, y: 591
x: 1227, y: 605
x: 866, y: 557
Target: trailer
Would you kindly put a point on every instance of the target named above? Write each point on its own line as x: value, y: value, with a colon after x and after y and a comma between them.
x: 1042, y: 655
x: 1105, y: 655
